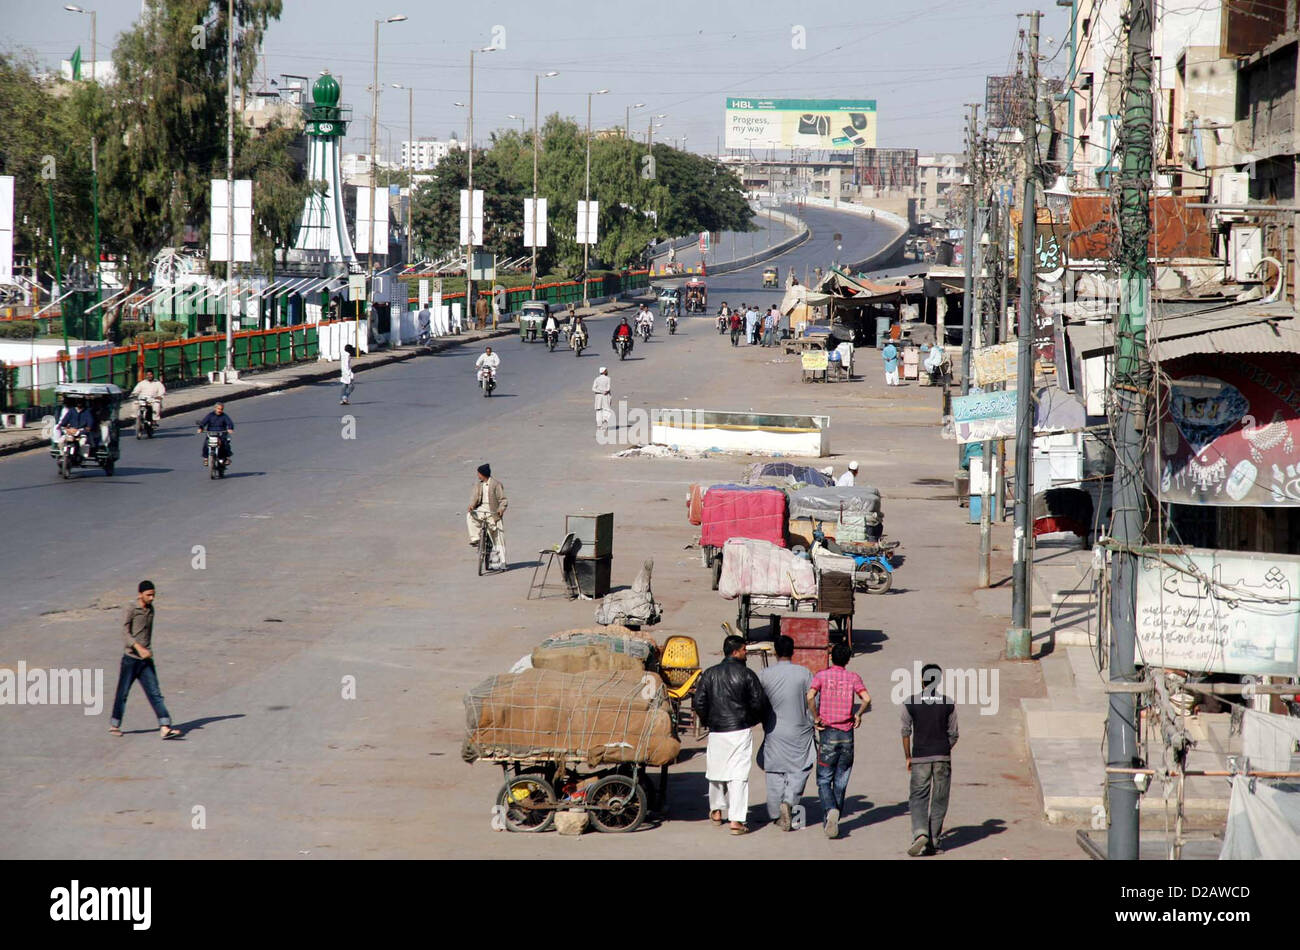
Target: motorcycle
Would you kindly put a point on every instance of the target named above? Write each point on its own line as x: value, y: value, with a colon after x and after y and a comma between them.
x: 644, y: 330
x: 145, y: 423
x: 579, y: 343
x: 217, y: 457
x: 73, y: 451
x: 624, y: 346
x: 722, y: 324
x: 487, y: 380
x: 552, y: 337
x: 672, y: 325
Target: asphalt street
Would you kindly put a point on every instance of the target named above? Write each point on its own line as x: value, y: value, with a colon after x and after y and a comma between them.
x: 320, y: 618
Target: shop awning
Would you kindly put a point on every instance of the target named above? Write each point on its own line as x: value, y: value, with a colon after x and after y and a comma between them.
x: 1239, y: 328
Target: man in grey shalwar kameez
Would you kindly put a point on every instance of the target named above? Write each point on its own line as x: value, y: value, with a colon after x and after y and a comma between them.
x: 787, y: 754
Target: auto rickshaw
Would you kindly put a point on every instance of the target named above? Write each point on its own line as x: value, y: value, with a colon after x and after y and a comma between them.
x: 770, y: 277
x: 532, y: 318
x: 697, y: 295
x: 101, y: 448
x: 670, y: 301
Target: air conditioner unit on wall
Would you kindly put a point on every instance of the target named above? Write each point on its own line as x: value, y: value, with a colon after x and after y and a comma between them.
x: 1232, y: 188
x: 1245, y: 250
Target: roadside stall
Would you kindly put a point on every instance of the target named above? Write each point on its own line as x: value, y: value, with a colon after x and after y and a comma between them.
x: 739, y: 511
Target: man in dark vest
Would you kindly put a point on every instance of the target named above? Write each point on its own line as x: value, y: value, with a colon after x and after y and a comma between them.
x: 929, y: 733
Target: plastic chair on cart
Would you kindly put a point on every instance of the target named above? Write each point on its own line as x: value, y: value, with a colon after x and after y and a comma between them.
x: 679, y: 665
x: 566, y: 551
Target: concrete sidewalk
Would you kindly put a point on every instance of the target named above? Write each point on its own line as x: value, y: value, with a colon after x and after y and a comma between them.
x: 1065, y: 730
x: 259, y: 382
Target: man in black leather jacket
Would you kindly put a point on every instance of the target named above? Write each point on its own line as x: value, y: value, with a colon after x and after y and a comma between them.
x: 729, y: 700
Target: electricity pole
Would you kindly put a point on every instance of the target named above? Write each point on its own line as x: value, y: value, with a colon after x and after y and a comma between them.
x: 1127, y: 411
x: 968, y: 289
x: 1019, y: 636
x: 230, y: 183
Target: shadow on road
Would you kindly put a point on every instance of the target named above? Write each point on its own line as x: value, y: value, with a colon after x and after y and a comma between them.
x: 193, y: 724
x: 863, y: 813
x: 968, y: 834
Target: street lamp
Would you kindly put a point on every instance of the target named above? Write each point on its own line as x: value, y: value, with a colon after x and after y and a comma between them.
x: 586, y: 247
x: 1058, y: 198
x: 627, y: 116
x: 521, y: 122
x: 94, y: 45
x: 469, y: 247
x: 410, y: 166
x: 374, y: 148
x: 537, y: 82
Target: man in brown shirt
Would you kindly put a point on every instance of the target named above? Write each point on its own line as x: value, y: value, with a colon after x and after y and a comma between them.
x: 481, y: 310
x: 137, y: 663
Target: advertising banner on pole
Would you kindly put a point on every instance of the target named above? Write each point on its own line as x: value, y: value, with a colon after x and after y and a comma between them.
x: 356, y: 287
x: 982, y: 416
x: 6, y: 227
x: 363, y: 221
x: 466, y: 237
x: 243, y: 242
x: 1214, y: 611
x: 801, y: 123
x: 535, y: 223
x: 588, y: 217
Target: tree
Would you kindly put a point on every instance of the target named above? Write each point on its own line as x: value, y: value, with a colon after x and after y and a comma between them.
x: 166, y: 121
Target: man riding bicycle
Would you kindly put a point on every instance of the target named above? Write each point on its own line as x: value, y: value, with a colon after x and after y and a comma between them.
x: 488, y: 507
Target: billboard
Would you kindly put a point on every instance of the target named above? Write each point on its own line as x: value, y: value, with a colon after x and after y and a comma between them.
x: 801, y: 123
x: 888, y: 169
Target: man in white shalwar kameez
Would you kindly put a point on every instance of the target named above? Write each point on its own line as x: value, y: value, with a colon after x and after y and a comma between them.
x: 603, y: 401
x: 729, y: 702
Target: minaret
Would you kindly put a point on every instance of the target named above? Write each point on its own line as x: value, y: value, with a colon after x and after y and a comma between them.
x: 323, y: 234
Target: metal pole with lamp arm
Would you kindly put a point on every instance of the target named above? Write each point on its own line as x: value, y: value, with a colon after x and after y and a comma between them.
x: 374, y: 148
x: 537, y: 82
x: 469, y: 247
x: 410, y: 167
x: 586, y: 245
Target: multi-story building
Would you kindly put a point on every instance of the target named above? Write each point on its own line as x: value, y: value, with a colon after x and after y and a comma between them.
x: 939, y: 178
x: 424, y: 154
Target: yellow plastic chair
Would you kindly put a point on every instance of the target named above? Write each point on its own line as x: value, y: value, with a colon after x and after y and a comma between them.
x: 679, y: 665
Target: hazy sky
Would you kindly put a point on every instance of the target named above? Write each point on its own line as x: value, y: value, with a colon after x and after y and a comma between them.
x: 919, y: 60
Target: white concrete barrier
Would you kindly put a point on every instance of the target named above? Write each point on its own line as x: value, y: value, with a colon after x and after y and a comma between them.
x: 743, y: 432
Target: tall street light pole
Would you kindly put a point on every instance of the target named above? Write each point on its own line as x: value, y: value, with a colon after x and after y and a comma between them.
x: 627, y: 117
x: 521, y: 119
x: 94, y: 46
x: 537, y: 83
x: 586, y: 247
x: 374, y: 148
x: 410, y: 166
x: 469, y: 247
x: 94, y: 144
x: 230, y: 182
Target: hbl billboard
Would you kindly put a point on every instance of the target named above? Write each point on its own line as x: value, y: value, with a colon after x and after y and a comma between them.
x: 801, y: 123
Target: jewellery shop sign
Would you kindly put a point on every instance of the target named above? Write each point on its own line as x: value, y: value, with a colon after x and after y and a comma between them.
x: 1219, y: 612
x: 1229, y: 433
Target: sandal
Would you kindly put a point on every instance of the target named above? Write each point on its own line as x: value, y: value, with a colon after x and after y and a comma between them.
x: 115, y: 731
x: 169, y: 733
x: 742, y: 830
x: 715, y: 817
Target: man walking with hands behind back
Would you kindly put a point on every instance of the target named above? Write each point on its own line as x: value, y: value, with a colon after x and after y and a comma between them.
x: 786, y: 755
x: 929, y: 734
x: 137, y: 663
x: 830, y: 700
x: 601, y: 389
x: 729, y: 702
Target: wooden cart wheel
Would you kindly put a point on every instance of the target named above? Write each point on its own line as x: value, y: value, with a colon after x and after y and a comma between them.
x: 617, y: 804
x: 527, y: 803
x: 742, y: 616
x: 717, y: 570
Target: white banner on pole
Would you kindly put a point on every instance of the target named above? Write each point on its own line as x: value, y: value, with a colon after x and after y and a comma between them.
x: 535, y: 238
x: 465, y: 235
x: 424, y: 292
x: 6, y: 227
x: 363, y: 221
x: 243, y: 241
x: 588, y: 215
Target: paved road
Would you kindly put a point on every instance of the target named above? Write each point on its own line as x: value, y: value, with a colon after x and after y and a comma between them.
x: 325, y: 564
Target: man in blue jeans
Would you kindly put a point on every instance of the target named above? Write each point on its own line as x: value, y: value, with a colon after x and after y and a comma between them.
x: 929, y: 733
x: 830, y: 700
x: 137, y: 663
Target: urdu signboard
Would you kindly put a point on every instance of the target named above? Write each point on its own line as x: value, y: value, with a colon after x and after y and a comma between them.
x: 1219, y: 612
x: 801, y: 123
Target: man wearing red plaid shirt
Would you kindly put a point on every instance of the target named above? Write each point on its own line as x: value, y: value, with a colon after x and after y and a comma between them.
x: 830, y: 699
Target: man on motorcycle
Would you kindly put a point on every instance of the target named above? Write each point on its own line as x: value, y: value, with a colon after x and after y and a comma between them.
x: 217, y: 421
x: 77, y: 421
x: 152, y: 390
x: 550, y: 326
x: 579, y: 331
x: 644, y: 318
x: 488, y: 505
x: 622, y: 330
x: 489, y: 360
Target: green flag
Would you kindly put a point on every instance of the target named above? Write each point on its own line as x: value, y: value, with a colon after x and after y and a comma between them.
x: 76, y: 64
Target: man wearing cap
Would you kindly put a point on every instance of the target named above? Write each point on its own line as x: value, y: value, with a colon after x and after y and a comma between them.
x: 488, y: 504
x: 849, y: 478
x: 603, y: 404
